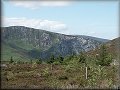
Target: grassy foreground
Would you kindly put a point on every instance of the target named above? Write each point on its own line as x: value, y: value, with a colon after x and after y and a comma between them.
x: 64, y: 76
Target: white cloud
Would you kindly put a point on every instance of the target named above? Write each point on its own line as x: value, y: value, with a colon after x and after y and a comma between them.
x: 38, y: 4
x: 54, y: 26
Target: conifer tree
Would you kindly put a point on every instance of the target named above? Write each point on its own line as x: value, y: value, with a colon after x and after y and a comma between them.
x: 60, y: 59
x: 82, y: 58
x: 11, y: 60
x: 39, y: 61
x: 104, y: 58
x: 52, y: 58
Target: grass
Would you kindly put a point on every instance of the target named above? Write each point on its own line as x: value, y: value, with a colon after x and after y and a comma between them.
x: 60, y: 76
x: 17, y: 49
x: 7, y: 52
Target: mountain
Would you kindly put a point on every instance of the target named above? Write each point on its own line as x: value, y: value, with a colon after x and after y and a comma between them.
x: 95, y: 38
x: 28, y: 43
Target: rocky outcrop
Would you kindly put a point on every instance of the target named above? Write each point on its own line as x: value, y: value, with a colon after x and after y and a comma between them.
x: 41, y: 43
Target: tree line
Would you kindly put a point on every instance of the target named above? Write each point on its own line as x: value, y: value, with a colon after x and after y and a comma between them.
x: 103, y: 58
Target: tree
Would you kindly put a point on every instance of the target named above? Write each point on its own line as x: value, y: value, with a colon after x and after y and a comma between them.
x: 52, y: 58
x: 39, y: 61
x: 60, y: 59
x: 31, y: 61
x: 82, y: 58
x: 19, y: 62
x: 104, y: 58
x: 11, y: 60
x: 73, y: 55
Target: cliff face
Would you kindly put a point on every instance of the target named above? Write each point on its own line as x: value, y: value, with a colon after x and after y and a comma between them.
x: 35, y: 43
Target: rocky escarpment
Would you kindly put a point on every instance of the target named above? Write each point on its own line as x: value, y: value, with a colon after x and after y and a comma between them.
x: 40, y: 43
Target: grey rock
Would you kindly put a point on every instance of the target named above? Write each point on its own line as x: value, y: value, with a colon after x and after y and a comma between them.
x: 43, y: 43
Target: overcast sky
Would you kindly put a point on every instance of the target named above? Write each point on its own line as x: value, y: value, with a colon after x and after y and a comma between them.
x: 98, y: 19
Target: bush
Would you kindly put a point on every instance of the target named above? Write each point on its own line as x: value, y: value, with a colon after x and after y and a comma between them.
x: 60, y: 59
x: 56, y: 62
x: 51, y: 60
x: 63, y: 78
x: 39, y: 61
x: 69, y: 69
x: 18, y: 62
x: 46, y: 72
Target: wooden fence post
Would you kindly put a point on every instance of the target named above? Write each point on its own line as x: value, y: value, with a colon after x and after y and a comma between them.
x: 86, y: 72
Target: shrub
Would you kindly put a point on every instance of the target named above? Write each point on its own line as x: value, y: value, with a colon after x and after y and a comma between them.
x: 56, y: 62
x: 60, y: 59
x: 63, y: 78
x: 51, y: 60
x: 39, y: 61
x: 20, y: 62
x: 46, y: 72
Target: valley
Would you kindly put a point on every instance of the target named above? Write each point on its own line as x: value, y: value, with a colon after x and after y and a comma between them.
x: 34, y: 59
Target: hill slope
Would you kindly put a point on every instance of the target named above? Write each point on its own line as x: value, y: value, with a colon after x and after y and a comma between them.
x: 27, y: 43
x: 113, y: 47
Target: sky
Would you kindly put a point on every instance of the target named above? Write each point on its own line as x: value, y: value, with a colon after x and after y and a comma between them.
x: 92, y: 18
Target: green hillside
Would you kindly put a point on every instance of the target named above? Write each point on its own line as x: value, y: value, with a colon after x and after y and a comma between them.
x: 8, y: 52
x: 24, y: 43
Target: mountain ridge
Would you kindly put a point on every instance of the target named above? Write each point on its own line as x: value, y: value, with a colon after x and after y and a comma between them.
x: 60, y: 33
x: 38, y: 43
